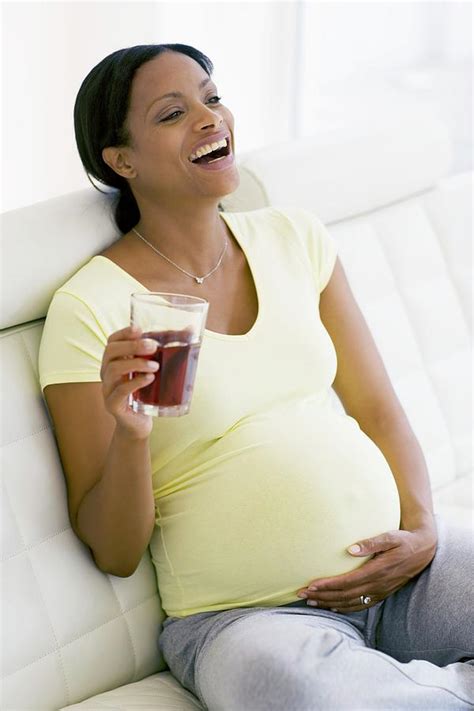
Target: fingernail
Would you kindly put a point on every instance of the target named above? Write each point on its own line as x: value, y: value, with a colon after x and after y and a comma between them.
x: 355, y: 548
x: 312, y: 589
x: 149, y: 344
x: 312, y: 603
x: 334, y: 609
x: 302, y: 594
x: 153, y: 365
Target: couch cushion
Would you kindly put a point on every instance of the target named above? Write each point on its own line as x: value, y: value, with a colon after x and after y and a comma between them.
x: 69, y: 631
x: 342, y: 173
x: 159, y: 692
x: 337, y: 173
x: 414, y: 299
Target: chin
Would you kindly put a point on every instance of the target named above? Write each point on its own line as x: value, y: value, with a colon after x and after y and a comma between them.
x: 233, y: 185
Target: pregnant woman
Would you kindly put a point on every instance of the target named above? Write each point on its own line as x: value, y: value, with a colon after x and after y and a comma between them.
x: 297, y: 555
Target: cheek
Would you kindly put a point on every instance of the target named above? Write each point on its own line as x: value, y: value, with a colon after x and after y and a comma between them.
x: 228, y: 117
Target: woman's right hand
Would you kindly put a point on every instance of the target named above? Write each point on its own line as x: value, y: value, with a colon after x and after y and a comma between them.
x: 123, y: 355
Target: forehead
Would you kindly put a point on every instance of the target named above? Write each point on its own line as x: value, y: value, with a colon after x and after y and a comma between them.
x: 170, y: 71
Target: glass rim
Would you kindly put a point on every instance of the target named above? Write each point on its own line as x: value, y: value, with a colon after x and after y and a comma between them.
x: 196, y: 299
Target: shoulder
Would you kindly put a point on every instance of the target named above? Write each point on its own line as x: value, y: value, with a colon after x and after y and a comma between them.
x: 96, y: 295
x: 273, y: 214
x: 289, y: 221
x: 93, y: 279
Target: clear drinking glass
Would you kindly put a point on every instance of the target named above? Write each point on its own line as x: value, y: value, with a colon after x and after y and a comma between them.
x: 177, y: 323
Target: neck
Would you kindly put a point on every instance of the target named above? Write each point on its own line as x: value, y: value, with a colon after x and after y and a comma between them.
x: 193, y: 238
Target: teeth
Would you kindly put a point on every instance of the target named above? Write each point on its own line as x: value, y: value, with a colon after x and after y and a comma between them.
x: 208, y: 148
x: 217, y: 159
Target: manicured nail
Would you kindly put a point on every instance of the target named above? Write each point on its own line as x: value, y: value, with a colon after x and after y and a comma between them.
x: 302, y: 594
x: 355, y: 548
x: 312, y: 603
x: 149, y: 344
x: 312, y: 589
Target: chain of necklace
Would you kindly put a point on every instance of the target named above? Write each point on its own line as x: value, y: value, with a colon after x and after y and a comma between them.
x: 199, y: 279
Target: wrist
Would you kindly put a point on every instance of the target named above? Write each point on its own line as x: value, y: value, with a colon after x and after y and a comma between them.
x: 123, y: 434
x: 417, y: 520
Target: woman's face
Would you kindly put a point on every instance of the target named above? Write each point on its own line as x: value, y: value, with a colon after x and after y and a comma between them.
x: 164, y: 131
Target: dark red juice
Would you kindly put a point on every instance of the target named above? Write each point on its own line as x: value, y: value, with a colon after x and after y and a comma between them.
x: 173, y: 383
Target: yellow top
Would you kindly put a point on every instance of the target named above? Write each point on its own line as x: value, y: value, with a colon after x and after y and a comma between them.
x: 263, y: 485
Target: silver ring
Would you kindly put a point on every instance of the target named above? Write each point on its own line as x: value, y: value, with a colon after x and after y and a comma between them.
x: 365, y: 600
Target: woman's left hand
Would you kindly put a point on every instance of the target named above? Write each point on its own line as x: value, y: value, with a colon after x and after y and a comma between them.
x: 397, y: 557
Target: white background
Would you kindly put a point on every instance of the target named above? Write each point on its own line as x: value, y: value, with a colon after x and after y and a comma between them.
x: 285, y: 69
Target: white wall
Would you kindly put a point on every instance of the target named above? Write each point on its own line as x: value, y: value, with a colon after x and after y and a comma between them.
x: 252, y: 46
x: 362, y: 60
x: 47, y: 49
x: 285, y: 69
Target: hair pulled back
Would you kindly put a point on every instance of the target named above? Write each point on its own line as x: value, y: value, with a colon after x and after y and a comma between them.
x: 100, y: 113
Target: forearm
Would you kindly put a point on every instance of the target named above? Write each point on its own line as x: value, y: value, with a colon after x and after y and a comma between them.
x: 397, y: 442
x: 117, y: 516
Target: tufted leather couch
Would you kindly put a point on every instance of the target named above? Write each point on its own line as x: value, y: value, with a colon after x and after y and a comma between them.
x: 74, y: 638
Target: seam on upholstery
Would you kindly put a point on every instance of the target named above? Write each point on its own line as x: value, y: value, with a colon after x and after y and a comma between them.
x: 36, y: 376
x: 74, y: 639
x: 447, y: 263
x: 28, y: 353
x: 57, y: 650
x: 37, y: 543
x: 374, y: 213
x: 416, y: 339
x: 30, y: 434
x: 183, y: 692
x: 8, y: 331
x: 135, y: 661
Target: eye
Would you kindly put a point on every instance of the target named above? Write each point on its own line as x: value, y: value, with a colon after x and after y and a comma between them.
x: 215, y: 99
x: 171, y: 115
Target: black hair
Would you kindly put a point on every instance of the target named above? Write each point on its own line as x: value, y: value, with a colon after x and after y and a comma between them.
x: 100, y: 113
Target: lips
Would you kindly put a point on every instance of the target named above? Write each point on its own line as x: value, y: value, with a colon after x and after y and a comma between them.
x: 212, y: 138
x: 217, y: 165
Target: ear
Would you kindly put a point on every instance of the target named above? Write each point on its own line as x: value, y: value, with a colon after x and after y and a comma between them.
x: 118, y: 159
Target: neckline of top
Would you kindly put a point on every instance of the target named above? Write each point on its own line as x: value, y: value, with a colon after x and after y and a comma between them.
x: 213, y: 334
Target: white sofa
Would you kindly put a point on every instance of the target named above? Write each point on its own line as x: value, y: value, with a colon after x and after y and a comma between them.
x: 74, y: 638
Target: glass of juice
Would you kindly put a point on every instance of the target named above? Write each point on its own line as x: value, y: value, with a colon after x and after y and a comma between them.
x: 176, y: 322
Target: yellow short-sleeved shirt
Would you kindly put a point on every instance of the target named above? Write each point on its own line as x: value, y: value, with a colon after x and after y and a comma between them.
x: 263, y: 485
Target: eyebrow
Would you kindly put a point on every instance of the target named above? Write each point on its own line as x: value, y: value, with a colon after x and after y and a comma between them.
x: 177, y: 94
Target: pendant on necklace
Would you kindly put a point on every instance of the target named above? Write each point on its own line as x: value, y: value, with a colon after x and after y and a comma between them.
x: 199, y: 279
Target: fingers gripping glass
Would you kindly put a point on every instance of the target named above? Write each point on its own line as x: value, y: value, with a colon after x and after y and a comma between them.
x: 176, y: 322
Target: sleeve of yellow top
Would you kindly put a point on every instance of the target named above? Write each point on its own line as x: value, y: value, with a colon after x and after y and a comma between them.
x: 322, y: 249
x: 72, y: 343
x: 319, y: 245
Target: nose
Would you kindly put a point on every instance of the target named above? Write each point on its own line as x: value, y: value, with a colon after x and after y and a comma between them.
x: 209, y: 118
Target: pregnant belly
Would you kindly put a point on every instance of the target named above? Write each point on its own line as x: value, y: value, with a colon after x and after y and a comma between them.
x: 275, y: 504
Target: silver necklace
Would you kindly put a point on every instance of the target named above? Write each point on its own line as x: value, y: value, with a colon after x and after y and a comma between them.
x: 198, y: 279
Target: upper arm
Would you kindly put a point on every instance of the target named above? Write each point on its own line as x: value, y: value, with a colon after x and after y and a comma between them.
x: 362, y: 382
x: 84, y: 430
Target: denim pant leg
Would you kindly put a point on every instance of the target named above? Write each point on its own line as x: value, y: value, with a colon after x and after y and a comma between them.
x: 432, y: 617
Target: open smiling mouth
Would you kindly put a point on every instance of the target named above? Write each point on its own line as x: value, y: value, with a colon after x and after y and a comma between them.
x: 211, y: 152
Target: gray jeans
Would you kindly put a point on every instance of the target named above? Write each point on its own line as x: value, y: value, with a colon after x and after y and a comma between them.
x: 414, y: 650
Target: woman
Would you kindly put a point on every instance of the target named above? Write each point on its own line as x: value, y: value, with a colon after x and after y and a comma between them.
x: 297, y: 555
